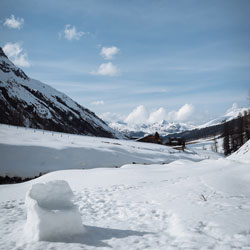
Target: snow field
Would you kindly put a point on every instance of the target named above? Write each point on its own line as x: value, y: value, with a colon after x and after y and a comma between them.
x: 146, y: 207
x: 38, y: 151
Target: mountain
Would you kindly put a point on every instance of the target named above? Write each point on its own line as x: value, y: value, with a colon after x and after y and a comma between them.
x: 231, y: 114
x: 167, y: 129
x: 141, y: 130
x: 216, y: 127
x: 31, y: 103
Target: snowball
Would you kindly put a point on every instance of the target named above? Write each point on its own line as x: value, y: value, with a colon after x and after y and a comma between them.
x: 51, y: 214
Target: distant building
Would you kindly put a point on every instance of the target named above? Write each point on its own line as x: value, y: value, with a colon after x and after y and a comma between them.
x: 151, y: 139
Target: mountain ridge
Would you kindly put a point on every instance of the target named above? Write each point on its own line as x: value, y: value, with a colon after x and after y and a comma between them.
x: 31, y: 103
x: 165, y: 128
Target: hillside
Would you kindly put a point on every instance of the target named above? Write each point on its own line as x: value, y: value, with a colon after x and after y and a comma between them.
x: 30, y: 103
x: 242, y: 154
x: 29, y: 152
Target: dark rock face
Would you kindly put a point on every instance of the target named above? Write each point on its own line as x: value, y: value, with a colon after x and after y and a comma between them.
x: 2, y: 54
x: 30, y: 103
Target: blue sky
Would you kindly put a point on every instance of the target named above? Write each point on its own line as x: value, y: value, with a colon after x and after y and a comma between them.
x: 158, y: 53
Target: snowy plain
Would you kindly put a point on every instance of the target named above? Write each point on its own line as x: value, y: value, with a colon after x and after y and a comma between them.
x: 38, y: 151
x: 189, y: 203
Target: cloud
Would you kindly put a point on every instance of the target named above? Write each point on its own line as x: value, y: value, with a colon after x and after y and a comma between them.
x: 97, y: 103
x: 70, y: 33
x: 14, y: 23
x: 141, y: 115
x: 138, y: 115
x: 107, y: 69
x: 157, y: 116
x: 15, y: 53
x: 108, y: 53
x: 182, y: 114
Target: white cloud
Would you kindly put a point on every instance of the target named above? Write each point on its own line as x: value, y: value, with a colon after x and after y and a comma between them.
x: 157, y: 116
x: 141, y: 115
x: 15, y: 53
x: 70, y: 33
x: 138, y: 115
x: 14, y: 23
x: 182, y: 114
x: 97, y: 103
x: 107, y: 69
x: 108, y: 53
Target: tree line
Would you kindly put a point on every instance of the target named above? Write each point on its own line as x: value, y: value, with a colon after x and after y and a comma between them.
x: 236, y: 132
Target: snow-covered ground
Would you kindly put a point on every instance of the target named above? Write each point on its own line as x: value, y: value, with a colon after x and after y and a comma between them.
x: 209, y: 144
x: 28, y: 152
x: 199, y: 200
x: 181, y: 205
x: 242, y: 154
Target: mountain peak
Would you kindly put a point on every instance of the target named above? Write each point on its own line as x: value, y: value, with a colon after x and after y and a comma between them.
x: 30, y: 103
x: 7, y: 67
x: 2, y: 54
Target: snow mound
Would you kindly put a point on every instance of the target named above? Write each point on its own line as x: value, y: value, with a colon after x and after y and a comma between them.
x: 51, y: 214
x: 242, y: 154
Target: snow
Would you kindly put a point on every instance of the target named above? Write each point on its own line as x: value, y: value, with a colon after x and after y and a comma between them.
x: 16, y: 87
x: 51, y: 215
x: 207, y: 144
x: 179, y: 200
x: 242, y: 154
x: 180, y: 205
x: 167, y: 127
x: 231, y: 114
x: 139, y: 130
x: 38, y: 151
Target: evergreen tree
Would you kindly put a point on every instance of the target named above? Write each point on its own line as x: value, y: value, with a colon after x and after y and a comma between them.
x: 226, y: 145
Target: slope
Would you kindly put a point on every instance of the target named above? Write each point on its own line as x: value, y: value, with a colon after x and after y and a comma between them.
x: 29, y: 152
x: 30, y: 103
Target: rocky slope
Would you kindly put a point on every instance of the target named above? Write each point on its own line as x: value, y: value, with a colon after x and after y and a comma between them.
x: 31, y: 103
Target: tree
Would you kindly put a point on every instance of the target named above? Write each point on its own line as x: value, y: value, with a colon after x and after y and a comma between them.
x: 226, y: 145
x: 215, y: 147
x: 246, y: 126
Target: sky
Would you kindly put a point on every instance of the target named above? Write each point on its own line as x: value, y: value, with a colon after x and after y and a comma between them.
x: 179, y: 60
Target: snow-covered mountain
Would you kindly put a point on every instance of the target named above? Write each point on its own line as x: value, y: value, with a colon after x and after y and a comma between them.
x: 140, y: 130
x: 231, y: 114
x: 31, y: 103
x: 165, y: 128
